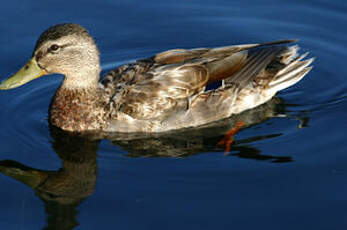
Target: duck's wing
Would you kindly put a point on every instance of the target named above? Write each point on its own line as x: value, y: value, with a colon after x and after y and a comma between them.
x: 155, y: 88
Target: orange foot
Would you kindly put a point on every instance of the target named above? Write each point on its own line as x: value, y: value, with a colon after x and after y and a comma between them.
x: 228, y: 138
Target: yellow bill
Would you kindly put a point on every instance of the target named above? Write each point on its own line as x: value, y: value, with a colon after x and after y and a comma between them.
x: 28, y: 72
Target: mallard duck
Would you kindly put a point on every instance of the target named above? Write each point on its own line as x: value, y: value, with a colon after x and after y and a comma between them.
x: 164, y: 92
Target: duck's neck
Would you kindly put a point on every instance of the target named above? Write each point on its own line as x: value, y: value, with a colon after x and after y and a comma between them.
x: 82, y: 80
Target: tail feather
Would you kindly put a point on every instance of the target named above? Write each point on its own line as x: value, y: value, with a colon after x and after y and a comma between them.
x: 293, y: 79
x: 292, y: 66
x: 295, y: 69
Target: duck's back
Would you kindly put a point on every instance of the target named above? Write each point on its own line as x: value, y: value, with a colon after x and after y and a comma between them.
x: 168, y: 91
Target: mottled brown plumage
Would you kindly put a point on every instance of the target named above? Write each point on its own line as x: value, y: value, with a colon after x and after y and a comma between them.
x: 164, y: 92
x: 78, y: 109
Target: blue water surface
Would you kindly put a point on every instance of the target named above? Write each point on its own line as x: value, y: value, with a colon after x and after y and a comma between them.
x: 286, y: 172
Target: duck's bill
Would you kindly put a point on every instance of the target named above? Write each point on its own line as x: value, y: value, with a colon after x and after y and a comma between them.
x: 28, y: 72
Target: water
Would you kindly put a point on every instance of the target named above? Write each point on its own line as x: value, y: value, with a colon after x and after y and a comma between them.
x: 286, y: 172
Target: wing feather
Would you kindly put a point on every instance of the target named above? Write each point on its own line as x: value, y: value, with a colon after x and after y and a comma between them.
x: 154, y: 88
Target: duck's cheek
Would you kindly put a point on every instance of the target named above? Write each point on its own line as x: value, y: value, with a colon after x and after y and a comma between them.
x: 50, y: 65
x: 51, y: 69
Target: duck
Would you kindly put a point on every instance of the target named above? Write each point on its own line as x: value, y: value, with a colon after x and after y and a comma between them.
x: 171, y: 90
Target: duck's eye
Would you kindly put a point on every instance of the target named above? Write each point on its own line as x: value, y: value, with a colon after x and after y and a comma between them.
x: 54, y: 48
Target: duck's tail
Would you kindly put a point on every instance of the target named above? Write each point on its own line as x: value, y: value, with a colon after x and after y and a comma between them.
x: 293, y: 69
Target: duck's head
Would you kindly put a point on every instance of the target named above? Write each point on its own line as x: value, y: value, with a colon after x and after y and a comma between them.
x: 66, y: 49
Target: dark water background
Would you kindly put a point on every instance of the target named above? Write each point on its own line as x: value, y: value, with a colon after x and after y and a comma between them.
x: 286, y: 172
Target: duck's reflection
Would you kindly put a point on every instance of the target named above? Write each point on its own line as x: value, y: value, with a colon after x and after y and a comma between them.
x: 63, y: 190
